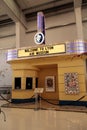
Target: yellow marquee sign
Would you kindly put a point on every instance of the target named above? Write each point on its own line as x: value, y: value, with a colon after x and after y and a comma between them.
x: 41, y: 51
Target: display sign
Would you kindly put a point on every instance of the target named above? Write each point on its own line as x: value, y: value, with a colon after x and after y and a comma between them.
x: 41, y: 51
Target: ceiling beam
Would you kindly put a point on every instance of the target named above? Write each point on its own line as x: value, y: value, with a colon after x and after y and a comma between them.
x: 13, y: 11
x: 48, y: 5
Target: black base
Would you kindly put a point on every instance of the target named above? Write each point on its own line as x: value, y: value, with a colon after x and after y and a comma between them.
x: 74, y: 103
x: 16, y: 101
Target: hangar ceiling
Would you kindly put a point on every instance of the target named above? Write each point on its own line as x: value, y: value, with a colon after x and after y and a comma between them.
x: 29, y: 9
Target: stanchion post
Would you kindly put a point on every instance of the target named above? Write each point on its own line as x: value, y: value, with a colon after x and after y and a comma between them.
x: 36, y: 101
x: 37, y: 92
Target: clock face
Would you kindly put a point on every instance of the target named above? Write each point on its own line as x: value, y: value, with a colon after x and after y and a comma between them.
x: 39, y: 38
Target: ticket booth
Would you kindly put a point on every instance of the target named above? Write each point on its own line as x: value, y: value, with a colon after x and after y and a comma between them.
x: 59, y: 69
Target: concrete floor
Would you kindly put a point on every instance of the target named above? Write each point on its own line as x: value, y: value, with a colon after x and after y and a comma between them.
x: 31, y: 119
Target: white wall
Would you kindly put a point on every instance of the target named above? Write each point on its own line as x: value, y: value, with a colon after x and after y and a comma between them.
x: 7, y: 36
x: 59, y: 28
x: 85, y: 30
x: 5, y: 71
x: 84, y: 16
x: 7, y: 42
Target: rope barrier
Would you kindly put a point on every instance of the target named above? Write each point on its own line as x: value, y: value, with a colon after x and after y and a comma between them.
x: 3, y: 114
x: 7, y: 100
x: 47, y: 101
x: 81, y: 98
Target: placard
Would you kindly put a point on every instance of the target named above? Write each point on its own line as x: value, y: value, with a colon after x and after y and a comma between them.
x: 41, y: 51
x: 50, y: 83
x: 38, y: 90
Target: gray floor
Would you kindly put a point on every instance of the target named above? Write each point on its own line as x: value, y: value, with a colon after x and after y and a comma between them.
x: 30, y: 119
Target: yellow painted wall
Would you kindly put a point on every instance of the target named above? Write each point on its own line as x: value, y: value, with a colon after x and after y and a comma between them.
x: 23, y: 70
x: 52, y: 66
x: 69, y: 66
x: 22, y: 94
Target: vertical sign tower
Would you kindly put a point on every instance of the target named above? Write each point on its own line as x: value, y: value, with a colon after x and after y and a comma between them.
x: 39, y: 37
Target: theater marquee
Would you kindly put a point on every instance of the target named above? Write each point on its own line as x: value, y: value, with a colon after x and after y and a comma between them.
x: 41, y: 51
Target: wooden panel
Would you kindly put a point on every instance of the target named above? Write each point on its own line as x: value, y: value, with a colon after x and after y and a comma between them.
x: 18, y: 73
x: 50, y: 96
x: 70, y: 69
x: 30, y: 73
x: 69, y: 62
x: 22, y: 94
x: 63, y: 96
x: 23, y: 83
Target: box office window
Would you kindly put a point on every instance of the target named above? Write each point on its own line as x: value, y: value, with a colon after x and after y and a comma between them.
x: 17, y: 83
x: 29, y: 83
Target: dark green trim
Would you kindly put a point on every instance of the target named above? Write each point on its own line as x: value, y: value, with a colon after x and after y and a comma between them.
x: 75, y: 103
